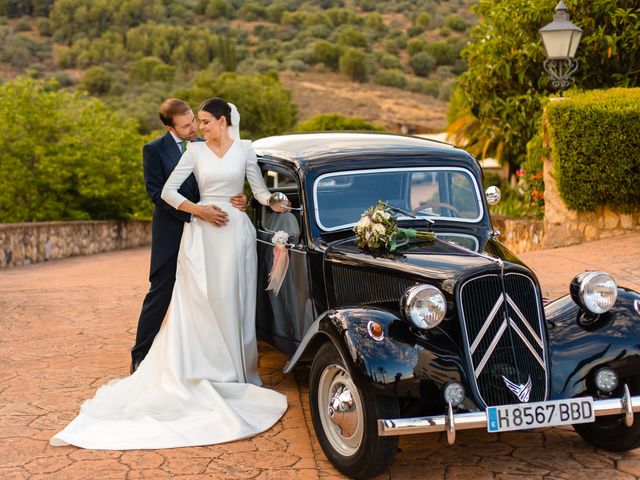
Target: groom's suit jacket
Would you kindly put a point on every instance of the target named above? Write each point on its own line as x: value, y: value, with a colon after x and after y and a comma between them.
x: 159, y: 158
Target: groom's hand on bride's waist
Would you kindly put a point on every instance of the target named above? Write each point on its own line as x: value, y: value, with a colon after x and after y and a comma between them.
x: 239, y: 200
x: 214, y: 215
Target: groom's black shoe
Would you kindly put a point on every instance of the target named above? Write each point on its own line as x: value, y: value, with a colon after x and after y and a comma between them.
x: 134, y: 366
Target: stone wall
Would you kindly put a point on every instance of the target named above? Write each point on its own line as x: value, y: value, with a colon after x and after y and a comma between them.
x: 24, y: 243
x: 564, y: 226
x: 519, y: 235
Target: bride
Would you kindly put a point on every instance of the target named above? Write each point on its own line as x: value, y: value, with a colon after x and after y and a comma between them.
x: 199, y: 384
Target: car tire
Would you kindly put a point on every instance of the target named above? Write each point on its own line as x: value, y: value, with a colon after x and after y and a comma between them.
x: 345, y: 419
x: 610, y: 432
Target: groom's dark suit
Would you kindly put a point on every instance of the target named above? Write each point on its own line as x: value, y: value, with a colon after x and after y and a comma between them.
x: 159, y: 158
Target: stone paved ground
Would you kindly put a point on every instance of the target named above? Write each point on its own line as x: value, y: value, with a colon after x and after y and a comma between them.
x: 66, y: 328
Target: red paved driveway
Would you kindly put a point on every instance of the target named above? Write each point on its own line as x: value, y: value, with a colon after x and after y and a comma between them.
x: 66, y: 328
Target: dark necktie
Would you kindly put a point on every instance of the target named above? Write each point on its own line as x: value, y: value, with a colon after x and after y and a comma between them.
x: 183, y: 145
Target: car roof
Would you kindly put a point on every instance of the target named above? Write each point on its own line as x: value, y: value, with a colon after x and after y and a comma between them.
x: 309, y: 150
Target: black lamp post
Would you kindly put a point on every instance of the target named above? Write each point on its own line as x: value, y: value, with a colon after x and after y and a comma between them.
x: 560, y: 39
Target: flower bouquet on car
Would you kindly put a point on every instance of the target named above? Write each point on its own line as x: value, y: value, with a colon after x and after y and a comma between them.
x: 378, y: 230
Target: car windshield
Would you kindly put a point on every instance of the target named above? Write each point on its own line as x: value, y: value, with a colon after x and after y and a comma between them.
x: 440, y: 193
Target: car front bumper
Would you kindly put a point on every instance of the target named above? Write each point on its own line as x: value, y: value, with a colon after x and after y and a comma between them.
x: 451, y: 422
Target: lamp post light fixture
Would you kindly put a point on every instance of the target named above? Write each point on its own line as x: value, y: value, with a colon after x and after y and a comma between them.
x: 560, y: 39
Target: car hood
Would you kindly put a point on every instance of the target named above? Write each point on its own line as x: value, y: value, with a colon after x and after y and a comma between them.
x: 438, y: 260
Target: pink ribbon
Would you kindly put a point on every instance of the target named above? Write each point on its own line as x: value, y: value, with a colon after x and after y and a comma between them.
x: 279, y: 268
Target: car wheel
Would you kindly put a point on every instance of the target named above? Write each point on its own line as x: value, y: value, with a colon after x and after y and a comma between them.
x: 610, y: 432
x: 345, y: 419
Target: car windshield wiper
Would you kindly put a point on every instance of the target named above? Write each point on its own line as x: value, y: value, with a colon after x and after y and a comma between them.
x: 407, y: 213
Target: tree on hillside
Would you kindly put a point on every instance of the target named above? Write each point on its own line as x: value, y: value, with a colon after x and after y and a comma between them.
x: 353, y: 63
x: 65, y: 156
x: 334, y: 121
x: 19, y: 8
x: 265, y: 105
x: 71, y: 19
x: 497, y: 102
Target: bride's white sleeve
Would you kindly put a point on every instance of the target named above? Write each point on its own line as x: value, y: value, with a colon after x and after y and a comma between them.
x: 182, y: 171
x: 254, y: 175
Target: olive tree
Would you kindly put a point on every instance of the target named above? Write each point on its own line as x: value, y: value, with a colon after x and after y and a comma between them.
x: 497, y: 102
x: 265, y: 105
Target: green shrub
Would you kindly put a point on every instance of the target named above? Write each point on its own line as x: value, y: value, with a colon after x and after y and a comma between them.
x: 423, y: 19
x: 422, y: 64
x: 375, y: 22
x: 334, y: 121
x: 23, y: 25
x: 149, y: 69
x: 445, y: 89
x: 97, y: 80
x: 416, y: 45
x: 64, y: 156
x: 252, y: 11
x: 218, y: 9
x: 352, y: 37
x: 63, y: 79
x: 326, y: 53
x: 414, y: 31
x: 353, y: 63
x: 295, y: 65
x: 275, y: 12
x: 456, y: 22
x: 386, y: 60
x: 42, y: 24
x: 445, y: 52
x: 595, y: 138
x: 390, y: 78
x: 426, y: 87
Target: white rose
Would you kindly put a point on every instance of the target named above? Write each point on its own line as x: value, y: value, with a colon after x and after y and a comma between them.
x: 364, y: 222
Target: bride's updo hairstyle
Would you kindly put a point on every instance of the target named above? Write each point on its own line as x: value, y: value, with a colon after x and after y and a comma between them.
x: 218, y: 108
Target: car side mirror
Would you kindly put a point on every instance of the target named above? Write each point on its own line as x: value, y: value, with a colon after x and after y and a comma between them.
x: 493, y: 195
x: 281, y: 200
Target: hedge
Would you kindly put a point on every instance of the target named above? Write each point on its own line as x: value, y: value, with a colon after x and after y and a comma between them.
x: 595, y: 143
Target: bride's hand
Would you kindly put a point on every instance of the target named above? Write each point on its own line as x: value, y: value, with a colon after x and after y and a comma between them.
x: 280, y: 208
x: 239, y: 200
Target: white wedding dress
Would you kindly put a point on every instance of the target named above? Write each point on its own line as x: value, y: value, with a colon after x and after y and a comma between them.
x: 198, y: 385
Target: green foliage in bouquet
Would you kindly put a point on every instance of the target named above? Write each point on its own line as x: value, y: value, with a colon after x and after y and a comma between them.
x: 378, y: 230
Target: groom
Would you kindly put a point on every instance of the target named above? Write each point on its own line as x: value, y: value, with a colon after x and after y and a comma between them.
x: 159, y: 158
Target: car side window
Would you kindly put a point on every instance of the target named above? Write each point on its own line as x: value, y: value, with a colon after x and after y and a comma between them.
x: 290, y: 222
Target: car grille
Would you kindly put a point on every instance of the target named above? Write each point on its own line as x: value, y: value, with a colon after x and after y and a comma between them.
x: 356, y: 287
x: 504, y: 338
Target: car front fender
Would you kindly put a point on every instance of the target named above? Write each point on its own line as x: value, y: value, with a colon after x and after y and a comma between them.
x: 578, y: 345
x: 401, y: 364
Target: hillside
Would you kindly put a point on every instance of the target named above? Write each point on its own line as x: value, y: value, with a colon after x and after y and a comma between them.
x: 390, y: 63
x: 396, y: 110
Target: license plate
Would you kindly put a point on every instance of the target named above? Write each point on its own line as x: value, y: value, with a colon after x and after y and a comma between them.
x: 540, y: 414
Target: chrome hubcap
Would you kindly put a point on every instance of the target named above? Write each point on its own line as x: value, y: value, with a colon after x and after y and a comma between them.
x: 340, y: 408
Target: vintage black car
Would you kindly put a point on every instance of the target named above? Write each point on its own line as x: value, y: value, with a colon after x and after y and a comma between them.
x: 437, y: 335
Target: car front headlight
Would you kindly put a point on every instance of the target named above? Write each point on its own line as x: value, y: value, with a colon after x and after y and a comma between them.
x: 595, y: 291
x: 424, y: 306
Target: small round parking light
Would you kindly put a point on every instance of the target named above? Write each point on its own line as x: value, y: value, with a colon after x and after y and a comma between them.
x: 453, y: 393
x: 606, y: 380
x: 595, y: 291
x: 424, y: 306
x: 375, y: 331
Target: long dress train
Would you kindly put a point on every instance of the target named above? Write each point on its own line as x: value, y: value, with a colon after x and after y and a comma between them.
x: 198, y: 385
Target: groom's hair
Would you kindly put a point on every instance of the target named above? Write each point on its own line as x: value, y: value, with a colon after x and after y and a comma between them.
x: 172, y: 107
